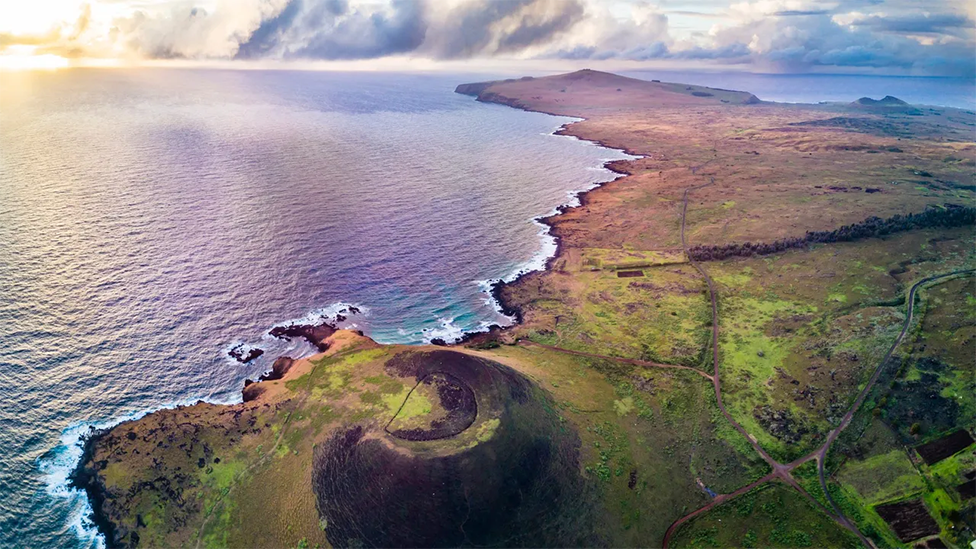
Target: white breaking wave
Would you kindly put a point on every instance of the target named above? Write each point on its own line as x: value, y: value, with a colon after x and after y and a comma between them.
x: 328, y: 314
x: 549, y: 246
x: 447, y: 331
x: 60, y: 462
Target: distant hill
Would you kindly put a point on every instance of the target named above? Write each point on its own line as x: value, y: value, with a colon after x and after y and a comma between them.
x: 887, y: 101
x: 589, y: 88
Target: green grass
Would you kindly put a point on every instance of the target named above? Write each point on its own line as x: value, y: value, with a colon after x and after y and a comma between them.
x: 882, y: 478
x: 770, y: 516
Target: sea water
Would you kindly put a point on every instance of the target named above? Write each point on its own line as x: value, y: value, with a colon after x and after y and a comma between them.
x: 151, y: 220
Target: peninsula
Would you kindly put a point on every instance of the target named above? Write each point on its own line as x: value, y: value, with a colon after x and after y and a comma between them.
x: 761, y: 334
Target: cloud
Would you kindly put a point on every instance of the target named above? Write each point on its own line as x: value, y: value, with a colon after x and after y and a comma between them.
x: 601, y: 36
x: 918, y: 23
x: 499, y: 27
x: 59, y: 36
x: 794, y: 13
x: 332, y: 29
x: 781, y: 35
x: 801, y: 35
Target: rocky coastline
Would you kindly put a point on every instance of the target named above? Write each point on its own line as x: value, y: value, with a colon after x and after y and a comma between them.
x: 86, y: 478
x: 480, y: 91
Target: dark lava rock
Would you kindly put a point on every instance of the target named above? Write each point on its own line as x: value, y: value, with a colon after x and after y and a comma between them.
x: 251, y: 391
x: 520, y: 486
x: 314, y: 334
x: 278, y: 370
x: 239, y: 354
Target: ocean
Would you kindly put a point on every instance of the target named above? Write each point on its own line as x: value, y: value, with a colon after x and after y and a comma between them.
x: 814, y: 88
x: 153, y: 219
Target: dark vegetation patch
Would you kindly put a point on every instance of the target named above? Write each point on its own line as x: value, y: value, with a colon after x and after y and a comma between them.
x: 909, y: 519
x: 967, y: 490
x: 782, y: 424
x: 951, y: 216
x: 629, y: 274
x: 876, y: 126
x: 519, y: 487
x: 937, y: 450
x: 917, y: 407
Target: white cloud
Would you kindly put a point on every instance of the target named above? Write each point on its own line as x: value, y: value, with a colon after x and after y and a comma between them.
x: 787, y: 35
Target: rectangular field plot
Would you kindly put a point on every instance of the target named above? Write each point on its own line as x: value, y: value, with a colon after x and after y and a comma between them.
x: 937, y: 450
x: 909, y: 519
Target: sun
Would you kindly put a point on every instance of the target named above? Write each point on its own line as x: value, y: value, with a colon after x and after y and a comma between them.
x: 21, y: 58
x: 36, y: 17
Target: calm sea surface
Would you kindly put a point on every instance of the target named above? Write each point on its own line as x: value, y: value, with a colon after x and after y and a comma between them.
x: 813, y: 88
x: 151, y: 220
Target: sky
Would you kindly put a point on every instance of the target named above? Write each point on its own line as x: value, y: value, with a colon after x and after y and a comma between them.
x: 912, y: 37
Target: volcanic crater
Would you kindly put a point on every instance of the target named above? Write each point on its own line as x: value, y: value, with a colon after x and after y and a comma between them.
x: 480, y: 458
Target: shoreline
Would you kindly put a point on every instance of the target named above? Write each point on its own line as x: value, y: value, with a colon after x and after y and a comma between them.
x: 496, y: 286
x: 93, y: 525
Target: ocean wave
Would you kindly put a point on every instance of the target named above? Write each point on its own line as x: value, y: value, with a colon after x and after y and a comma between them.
x: 446, y: 331
x: 330, y: 314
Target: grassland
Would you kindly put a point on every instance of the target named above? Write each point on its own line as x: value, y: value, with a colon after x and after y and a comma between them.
x: 660, y: 388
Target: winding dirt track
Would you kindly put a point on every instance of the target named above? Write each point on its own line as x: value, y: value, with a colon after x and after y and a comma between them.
x: 782, y: 471
x: 821, y: 454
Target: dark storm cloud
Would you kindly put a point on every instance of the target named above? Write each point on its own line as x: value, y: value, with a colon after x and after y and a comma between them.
x: 501, y: 26
x: 361, y: 36
x: 538, y: 24
x: 330, y: 29
x: 267, y: 36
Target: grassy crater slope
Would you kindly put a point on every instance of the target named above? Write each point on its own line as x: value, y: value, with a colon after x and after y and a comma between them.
x: 382, y: 446
x: 363, y: 445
